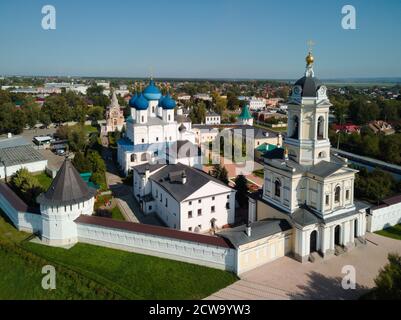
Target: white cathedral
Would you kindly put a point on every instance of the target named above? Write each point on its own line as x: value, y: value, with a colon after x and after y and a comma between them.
x: 152, y: 129
x: 307, y: 185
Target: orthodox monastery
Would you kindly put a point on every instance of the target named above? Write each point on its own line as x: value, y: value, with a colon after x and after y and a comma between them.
x: 306, y: 208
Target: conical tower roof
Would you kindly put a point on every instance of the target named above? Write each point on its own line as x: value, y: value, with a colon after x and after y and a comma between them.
x: 114, y: 100
x: 245, y: 113
x: 67, y: 188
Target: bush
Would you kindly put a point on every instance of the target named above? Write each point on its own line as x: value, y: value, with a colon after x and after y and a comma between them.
x: 388, y: 282
x: 27, y: 186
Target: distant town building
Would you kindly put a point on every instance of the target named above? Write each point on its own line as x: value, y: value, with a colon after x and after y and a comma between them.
x: 203, y: 97
x: 381, y: 127
x: 184, y: 97
x: 347, y: 128
x: 254, y: 103
x: 212, y: 118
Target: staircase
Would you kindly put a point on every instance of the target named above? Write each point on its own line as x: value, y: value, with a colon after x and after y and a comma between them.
x: 314, y: 257
x: 360, y: 242
x: 339, y: 250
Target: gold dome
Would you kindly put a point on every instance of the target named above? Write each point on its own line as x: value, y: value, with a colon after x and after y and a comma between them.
x: 310, y: 59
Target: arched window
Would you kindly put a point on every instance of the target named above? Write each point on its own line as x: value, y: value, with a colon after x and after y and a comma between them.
x: 277, y: 188
x: 337, y: 194
x: 320, y: 128
x: 169, y: 117
x: 153, y: 109
x: 142, y: 119
x: 295, y: 128
x: 133, y: 157
x: 144, y: 157
x: 322, y: 155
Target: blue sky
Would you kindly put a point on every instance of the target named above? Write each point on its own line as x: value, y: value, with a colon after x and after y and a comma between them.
x: 200, y: 38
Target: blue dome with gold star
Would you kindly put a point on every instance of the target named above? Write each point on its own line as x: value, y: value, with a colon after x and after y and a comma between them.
x: 152, y: 92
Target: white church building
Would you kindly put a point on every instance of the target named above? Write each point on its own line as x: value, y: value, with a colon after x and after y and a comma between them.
x: 306, y: 185
x: 151, y: 129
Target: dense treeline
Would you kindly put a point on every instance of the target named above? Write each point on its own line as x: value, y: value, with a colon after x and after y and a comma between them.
x: 361, y: 111
x: 18, y: 111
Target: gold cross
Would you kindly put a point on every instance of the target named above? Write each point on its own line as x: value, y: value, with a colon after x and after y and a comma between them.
x: 310, y: 45
x: 151, y: 73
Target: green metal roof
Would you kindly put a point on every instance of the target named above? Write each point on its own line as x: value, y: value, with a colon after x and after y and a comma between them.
x: 245, y: 113
x: 266, y: 147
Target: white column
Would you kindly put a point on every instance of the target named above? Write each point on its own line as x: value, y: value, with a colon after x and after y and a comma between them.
x: 352, y: 233
x: 332, y: 245
x: 346, y: 232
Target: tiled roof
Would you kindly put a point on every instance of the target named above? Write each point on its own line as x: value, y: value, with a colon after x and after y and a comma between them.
x: 195, y: 180
x: 153, y: 230
x: 259, y: 230
x: 15, y: 201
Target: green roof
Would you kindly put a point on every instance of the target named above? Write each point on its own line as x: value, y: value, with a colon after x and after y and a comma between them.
x: 266, y: 147
x: 245, y: 114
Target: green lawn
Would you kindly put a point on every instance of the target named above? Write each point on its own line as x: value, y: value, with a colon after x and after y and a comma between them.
x: 90, y: 129
x: 392, y: 232
x: 116, y: 214
x: 44, y: 180
x: 108, y: 273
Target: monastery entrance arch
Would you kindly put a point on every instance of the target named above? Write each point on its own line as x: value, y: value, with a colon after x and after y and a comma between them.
x: 313, y: 242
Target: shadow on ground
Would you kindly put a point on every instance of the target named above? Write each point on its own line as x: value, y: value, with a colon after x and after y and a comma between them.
x: 320, y: 287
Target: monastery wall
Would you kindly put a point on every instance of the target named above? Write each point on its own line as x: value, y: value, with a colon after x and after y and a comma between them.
x: 384, y: 216
x: 209, y: 255
x: 21, y: 219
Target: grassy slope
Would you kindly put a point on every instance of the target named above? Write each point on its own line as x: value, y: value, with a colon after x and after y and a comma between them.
x: 121, y: 274
x: 393, y: 232
x: 139, y: 275
x: 21, y: 276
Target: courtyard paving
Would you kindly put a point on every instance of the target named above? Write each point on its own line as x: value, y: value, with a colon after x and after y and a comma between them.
x: 123, y: 194
x: 287, y: 279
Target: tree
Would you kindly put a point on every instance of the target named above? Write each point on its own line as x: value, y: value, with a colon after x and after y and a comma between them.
x: 57, y: 108
x: 390, y: 148
x: 241, y: 185
x: 374, y: 186
x: 388, y: 282
x: 32, y: 112
x: 81, y: 163
x: 232, y: 101
x: 27, y: 185
x: 11, y: 119
x: 362, y: 112
x: 95, y: 94
x: 77, y: 138
x: 96, y: 113
x: 340, y: 112
x: 198, y: 113
x: 220, y: 172
x: 44, y: 118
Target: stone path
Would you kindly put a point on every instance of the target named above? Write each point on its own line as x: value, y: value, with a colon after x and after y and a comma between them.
x: 286, y: 278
